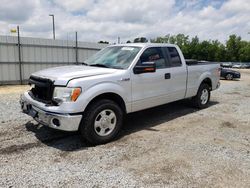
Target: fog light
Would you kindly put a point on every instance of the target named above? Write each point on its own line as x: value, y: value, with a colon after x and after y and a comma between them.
x: 56, y: 122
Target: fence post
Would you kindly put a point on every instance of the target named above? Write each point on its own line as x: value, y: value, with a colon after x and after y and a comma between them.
x: 19, y: 55
x: 76, y: 49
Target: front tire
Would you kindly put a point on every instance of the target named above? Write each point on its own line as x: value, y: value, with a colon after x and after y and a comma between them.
x: 101, y: 122
x: 202, y: 97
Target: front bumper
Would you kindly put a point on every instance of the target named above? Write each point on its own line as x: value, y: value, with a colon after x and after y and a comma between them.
x: 237, y: 76
x: 65, y: 122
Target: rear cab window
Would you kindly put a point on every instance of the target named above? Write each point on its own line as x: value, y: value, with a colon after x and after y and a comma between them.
x: 173, y: 56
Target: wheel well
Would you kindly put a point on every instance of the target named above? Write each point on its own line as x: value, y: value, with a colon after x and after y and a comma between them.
x: 208, y: 82
x: 111, y: 96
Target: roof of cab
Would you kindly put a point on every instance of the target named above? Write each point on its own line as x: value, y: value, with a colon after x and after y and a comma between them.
x: 146, y: 45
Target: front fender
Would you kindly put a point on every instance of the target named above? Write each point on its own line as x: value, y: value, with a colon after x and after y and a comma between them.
x: 101, y: 88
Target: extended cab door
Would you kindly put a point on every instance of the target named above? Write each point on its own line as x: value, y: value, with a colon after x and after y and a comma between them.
x: 165, y: 85
x: 178, y: 70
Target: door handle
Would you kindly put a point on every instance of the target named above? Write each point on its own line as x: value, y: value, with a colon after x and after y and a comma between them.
x: 167, y: 76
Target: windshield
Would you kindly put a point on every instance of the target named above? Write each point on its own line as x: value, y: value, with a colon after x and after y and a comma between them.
x: 117, y: 57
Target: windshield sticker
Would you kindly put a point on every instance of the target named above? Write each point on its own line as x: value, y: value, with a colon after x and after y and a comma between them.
x: 128, y: 48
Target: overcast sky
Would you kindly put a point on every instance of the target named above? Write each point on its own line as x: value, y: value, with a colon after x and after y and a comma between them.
x: 97, y: 20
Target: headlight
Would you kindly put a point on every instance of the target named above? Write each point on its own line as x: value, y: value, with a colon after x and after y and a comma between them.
x: 66, y: 94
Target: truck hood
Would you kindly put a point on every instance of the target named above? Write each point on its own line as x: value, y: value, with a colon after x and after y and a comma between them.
x: 61, y: 75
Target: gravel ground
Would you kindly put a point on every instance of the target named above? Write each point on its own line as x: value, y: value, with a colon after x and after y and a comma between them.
x: 172, y: 146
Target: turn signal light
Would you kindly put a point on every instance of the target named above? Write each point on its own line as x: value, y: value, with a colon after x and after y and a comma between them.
x: 75, y: 94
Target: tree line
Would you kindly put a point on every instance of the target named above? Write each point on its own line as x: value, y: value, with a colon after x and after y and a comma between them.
x: 235, y: 49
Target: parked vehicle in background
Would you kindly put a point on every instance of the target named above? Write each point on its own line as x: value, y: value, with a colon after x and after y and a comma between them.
x: 237, y: 66
x: 227, y: 64
x: 229, y: 74
x: 94, y: 97
x: 246, y: 65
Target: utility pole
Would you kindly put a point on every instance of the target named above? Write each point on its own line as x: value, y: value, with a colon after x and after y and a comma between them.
x: 119, y: 40
x: 19, y: 55
x: 76, y: 49
x: 53, y: 22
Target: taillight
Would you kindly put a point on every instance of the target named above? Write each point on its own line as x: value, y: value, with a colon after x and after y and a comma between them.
x: 218, y: 71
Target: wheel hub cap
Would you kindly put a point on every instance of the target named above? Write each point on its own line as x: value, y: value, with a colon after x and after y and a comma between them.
x: 229, y: 76
x: 204, y: 96
x: 105, y: 122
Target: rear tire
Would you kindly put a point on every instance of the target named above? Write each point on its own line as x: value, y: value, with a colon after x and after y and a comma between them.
x: 202, y: 97
x: 101, y: 122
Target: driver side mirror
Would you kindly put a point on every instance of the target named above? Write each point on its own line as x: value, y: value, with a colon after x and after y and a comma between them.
x: 145, y: 67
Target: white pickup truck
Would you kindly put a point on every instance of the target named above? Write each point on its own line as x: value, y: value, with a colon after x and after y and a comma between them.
x: 95, y: 97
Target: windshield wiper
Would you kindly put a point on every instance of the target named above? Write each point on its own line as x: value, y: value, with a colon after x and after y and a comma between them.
x: 83, y: 63
x: 99, y: 65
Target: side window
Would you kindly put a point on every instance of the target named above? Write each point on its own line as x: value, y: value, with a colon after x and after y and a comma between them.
x: 174, y: 57
x: 154, y: 54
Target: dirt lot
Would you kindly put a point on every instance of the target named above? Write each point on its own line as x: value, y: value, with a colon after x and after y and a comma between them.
x: 172, y: 146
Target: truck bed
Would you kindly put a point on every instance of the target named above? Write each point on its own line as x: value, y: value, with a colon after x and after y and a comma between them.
x: 199, y: 70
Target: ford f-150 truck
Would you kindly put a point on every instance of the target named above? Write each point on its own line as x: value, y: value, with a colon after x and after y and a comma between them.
x: 95, y: 97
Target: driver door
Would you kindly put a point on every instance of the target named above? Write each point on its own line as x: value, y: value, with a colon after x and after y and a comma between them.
x: 149, y: 89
